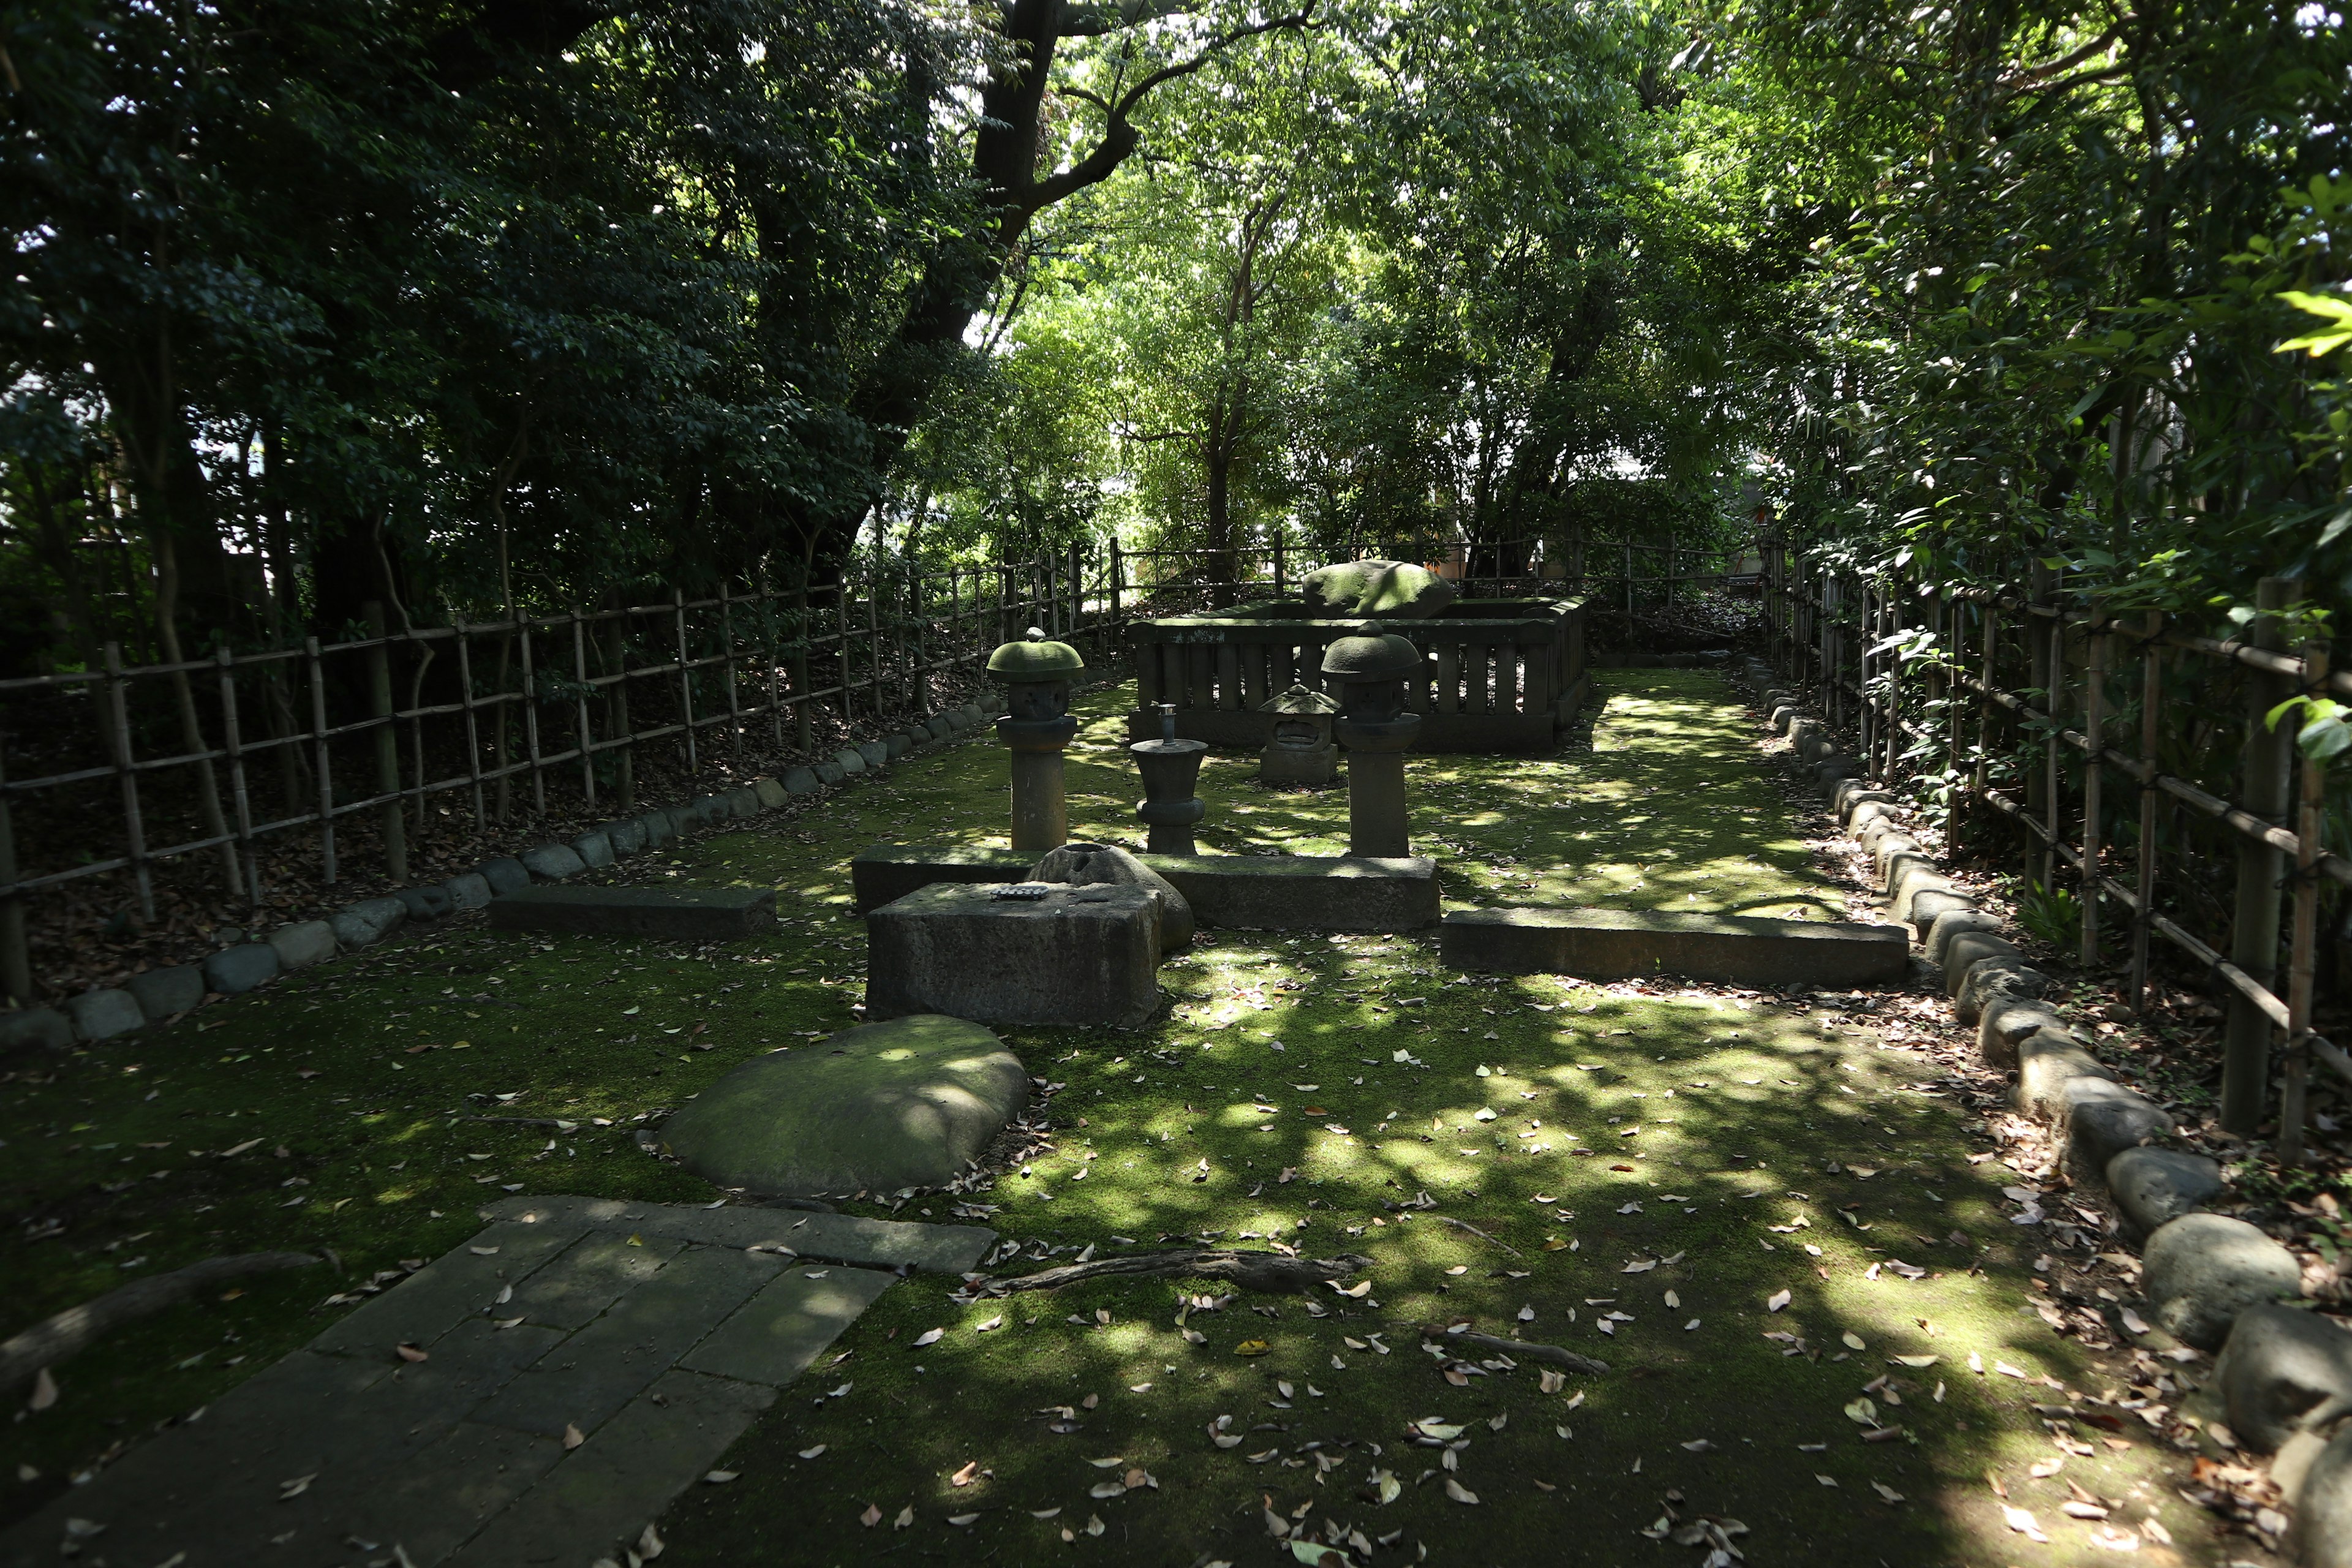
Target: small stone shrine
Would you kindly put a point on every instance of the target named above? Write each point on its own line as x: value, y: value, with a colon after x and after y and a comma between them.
x: 1036, y: 728
x: 1299, y: 751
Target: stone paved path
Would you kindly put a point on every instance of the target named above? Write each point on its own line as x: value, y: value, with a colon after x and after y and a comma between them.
x: 656, y: 1334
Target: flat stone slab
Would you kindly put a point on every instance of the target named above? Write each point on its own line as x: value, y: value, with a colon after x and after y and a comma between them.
x: 661, y: 1354
x: 1065, y: 956
x: 688, y: 914
x: 1617, y: 945
x: 904, y: 1103
x: 1247, y: 892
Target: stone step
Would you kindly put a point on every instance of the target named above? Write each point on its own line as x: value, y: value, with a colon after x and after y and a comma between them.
x: 1248, y: 892
x: 1619, y: 944
x: 687, y: 914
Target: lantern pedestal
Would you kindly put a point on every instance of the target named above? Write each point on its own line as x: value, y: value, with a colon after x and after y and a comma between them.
x: 1376, y: 815
x: 1171, y: 777
x: 1040, y: 813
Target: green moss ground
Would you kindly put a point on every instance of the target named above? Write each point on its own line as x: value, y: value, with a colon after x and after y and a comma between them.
x: 1739, y: 1102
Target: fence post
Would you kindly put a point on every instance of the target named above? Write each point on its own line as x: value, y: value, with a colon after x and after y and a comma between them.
x: 2151, y: 694
x: 387, y: 743
x: 2039, y: 647
x: 1629, y: 595
x: 580, y: 709
x: 318, y: 677
x: 531, y: 717
x: 803, y: 734
x: 232, y: 741
x: 1281, y: 574
x: 2254, y: 927
x: 2303, y: 943
x: 685, y: 682
x: 118, y: 715
x: 16, y: 956
x: 2094, y: 731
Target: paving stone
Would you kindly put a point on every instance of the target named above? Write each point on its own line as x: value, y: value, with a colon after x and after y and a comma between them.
x: 469, y: 891
x: 103, y: 1014
x: 446, y: 1291
x: 160, y: 992
x: 553, y: 862
x: 587, y: 1379
x: 425, y: 903
x: 848, y: 761
x: 2102, y: 1119
x: 2152, y: 1186
x: 801, y: 781
x: 596, y: 1270
x: 1069, y: 956
x: 235, y: 970
x: 594, y: 1505
x: 505, y: 874
x: 627, y: 837
x: 2283, y: 1371
x: 35, y: 1028
x: 2199, y: 1271
x: 1611, y: 944
x: 594, y: 850
x: 1940, y: 935
x: 772, y: 793
x: 432, y: 1504
x: 773, y: 1337
x: 903, y: 1103
x: 304, y: 943
x: 367, y: 922
x: 835, y: 1238
x: 684, y: 914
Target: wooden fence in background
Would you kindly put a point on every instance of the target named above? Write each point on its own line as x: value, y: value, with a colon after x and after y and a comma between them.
x: 2134, y: 756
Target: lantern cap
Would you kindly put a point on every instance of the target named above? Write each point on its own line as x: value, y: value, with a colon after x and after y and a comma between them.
x: 1372, y: 654
x: 1301, y: 699
x: 1035, y: 659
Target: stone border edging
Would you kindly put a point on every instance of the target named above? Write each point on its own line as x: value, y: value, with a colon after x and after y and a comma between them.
x: 158, y: 996
x: 2212, y: 1280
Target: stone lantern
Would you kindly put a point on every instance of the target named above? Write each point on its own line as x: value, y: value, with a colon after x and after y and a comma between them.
x: 1372, y: 668
x: 1171, y: 777
x: 1299, y: 751
x: 1036, y: 676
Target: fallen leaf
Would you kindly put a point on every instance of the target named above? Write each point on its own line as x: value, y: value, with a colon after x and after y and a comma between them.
x: 995, y: 1322
x: 1775, y: 1302
x: 287, y: 1490
x: 720, y: 1478
x: 812, y: 1453
x: 1852, y: 1341
x: 1459, y: 1492
x: 965, y: 1477
x: 928, y: 1337
x: 2023, y: 1523
x: 1886, y: 1494
x: 906, y: 1516
x: 1252, y: 1347
x: 44, y: 1391
x: 573, y: 1436
x: 409, y: 1352
x: 871, y: 1517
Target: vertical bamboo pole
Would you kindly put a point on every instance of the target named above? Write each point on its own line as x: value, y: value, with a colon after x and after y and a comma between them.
x: 2254, y: 930
x: 802, y: 725
x: 2303, y: 941
x: 685, y: 683
x: 2039, y: 678
x: 734, y: 697
x: 387, y: 745
x: 16, y: 952
x: 118, y: 713
x: 580, y: 709
x: 530, y: 718
x: 2151, y: 701
x: 874, y: 663
x: 316, y: 670
x: 473, y: 721
x: 2094, y: 731
x: 232, y: 741
x: 1988, y: 634
x: 770, y: 660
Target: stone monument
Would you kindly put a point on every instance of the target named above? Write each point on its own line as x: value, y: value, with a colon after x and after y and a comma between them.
x: 1100, y: 865
x: 1036, y: 728
x: 1397, y: 589
x: 1171, y: 775
x: 1299, y: 751
x: 1372, y: 668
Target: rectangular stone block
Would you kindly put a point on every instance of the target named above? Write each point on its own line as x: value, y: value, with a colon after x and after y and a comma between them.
x: 773, y: 1337
x: 1072, y: 955
x: 685, y: 914
x: 438, y: 1297
x: 834, y: 1237
x: 1616, y: 945
x: 1246, y: 892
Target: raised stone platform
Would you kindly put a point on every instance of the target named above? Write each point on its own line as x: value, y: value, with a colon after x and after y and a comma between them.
x: 1618, y: 944
x: 687, y: 914
x: 1248, y: 892
x: 653, y: 1332
x: 1066, y: 956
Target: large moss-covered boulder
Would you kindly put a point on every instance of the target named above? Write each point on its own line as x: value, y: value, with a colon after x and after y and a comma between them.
x: 880, y: 1107
x: 1395, y: 589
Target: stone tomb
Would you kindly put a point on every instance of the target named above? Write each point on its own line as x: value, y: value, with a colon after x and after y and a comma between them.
x: 686, y: 914
x: 1030, y: 953
x: 906, y: 1103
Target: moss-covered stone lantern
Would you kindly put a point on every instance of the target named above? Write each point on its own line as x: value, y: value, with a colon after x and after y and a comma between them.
x: 1036, y: 728
x: 1370, y: 670
x: 1299, y: 750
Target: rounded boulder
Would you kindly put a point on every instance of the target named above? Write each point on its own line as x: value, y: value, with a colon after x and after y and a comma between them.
x: 904, y: 1103
x: 2202, y: 1270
